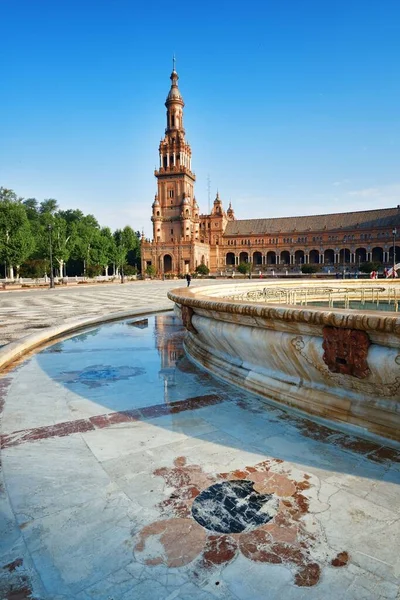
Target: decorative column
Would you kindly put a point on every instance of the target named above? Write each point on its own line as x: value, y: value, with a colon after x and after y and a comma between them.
x: 278, y: 258
x: 167, y: 160
x: 174, y: 159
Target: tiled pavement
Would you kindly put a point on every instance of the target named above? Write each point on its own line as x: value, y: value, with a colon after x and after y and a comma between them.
x: 25, y: 312
x: 109, y: 439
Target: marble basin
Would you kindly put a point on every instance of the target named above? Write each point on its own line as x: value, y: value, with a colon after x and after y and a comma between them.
x: 337, y: 363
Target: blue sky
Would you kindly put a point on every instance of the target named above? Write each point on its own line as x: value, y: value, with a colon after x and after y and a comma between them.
x: 292, y: 106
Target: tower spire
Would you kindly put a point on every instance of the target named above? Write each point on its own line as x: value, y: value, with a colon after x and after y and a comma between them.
x: 173, y: 62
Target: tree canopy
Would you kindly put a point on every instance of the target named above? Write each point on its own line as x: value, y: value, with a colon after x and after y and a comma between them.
x: 79, y: 244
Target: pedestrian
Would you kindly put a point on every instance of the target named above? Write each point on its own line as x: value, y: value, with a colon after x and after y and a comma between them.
x: 188, y: 279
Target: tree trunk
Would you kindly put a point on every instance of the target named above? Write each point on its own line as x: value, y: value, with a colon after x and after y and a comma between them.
x: 11, y: 272
x: 114, y: 273
x: 106, y: 270
x: 60, y: 267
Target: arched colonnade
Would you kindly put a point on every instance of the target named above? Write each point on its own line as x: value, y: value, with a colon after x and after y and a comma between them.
x: 321, y: 256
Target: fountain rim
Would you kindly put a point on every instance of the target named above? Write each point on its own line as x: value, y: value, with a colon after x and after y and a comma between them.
x: 204, y: 298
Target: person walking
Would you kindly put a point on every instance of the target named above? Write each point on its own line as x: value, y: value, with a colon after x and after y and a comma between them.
x: 188, y: 278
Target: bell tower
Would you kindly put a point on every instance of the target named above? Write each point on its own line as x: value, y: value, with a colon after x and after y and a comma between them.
x: 175, y: 211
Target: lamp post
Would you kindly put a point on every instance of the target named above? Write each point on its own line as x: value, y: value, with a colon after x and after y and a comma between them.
x: 51, y: 258
x: 394, y: 250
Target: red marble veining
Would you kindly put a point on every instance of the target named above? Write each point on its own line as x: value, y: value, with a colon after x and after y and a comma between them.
x: 13, y: 565
x: 219, y: 549
x: 179, y: 542
x: 316, y: 431
x: 16, y: 585
x: 340, y: 559
x: 51, y: 431
x: 284, y: 540
x: 187, y: 481
x: 107, y: 420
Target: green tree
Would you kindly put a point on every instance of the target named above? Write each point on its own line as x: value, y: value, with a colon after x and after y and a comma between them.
x: 151, y: 270
x: 121, y: 250
x: 32, y: 209
x: 244, y: 268
x: 308, y: 269
x: 131, y: 241
x: 103, y: 250
x: 86, y: 231
x: 16, y: 239
x: 368, y: 267
x: 202, y: 269
x: 49, y: 206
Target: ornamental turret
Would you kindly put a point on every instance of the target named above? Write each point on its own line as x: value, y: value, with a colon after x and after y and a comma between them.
x: 174, y: 208
x: 175, y: 153
x: 230, y: 213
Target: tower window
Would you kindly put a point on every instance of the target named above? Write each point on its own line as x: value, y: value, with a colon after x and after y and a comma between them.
x: 173, y: 121
x: 171, y: 193
x: 158, y: 213
x: 172, y: 231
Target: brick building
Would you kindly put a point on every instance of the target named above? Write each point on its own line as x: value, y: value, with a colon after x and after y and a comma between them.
x: 183, y: 238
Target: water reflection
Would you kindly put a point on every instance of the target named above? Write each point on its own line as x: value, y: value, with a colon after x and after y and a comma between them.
x: 169, y: 334
x: 122, y: 365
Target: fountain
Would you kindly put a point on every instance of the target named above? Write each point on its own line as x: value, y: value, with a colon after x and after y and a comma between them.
x: 331, y: 349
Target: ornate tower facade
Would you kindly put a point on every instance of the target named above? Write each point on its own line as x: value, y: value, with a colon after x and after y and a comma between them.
x: 175, y: 211
x: 176, y: 246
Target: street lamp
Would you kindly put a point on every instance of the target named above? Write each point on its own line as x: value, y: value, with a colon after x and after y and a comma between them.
x: 49, y: 227
x: 394, y: 250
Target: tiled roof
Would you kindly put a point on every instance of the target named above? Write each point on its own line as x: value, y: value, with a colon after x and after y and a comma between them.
x: 365, y: 219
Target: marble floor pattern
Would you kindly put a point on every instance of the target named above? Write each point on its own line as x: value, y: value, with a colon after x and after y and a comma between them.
x: 127, y: 473
x: 28, y: 311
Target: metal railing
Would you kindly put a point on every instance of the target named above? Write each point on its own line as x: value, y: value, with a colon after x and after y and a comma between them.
x: 370, y: 297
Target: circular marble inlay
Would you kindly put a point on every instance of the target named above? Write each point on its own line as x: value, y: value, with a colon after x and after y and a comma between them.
x: 233, y: 506
x: 99, y: 375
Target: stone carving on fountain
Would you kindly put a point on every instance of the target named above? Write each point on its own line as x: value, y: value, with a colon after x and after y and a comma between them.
x: 345, y: 351
x: 340, y: 364
x: 187, y: 314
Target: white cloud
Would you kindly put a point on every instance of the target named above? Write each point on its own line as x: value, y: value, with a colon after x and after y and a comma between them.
x: 385, y: 195
x: 342, y: 182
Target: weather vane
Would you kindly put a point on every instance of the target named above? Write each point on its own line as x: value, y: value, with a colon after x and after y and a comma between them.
x: 173, y: 62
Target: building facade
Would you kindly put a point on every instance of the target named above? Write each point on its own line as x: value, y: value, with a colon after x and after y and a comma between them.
x: 183, y: 238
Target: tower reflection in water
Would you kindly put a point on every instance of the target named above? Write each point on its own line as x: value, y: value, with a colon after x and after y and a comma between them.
x: 169, y: 335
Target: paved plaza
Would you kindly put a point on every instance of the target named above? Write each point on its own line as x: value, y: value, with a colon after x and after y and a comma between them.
x: 24, y: 312
x: 127, y: 473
